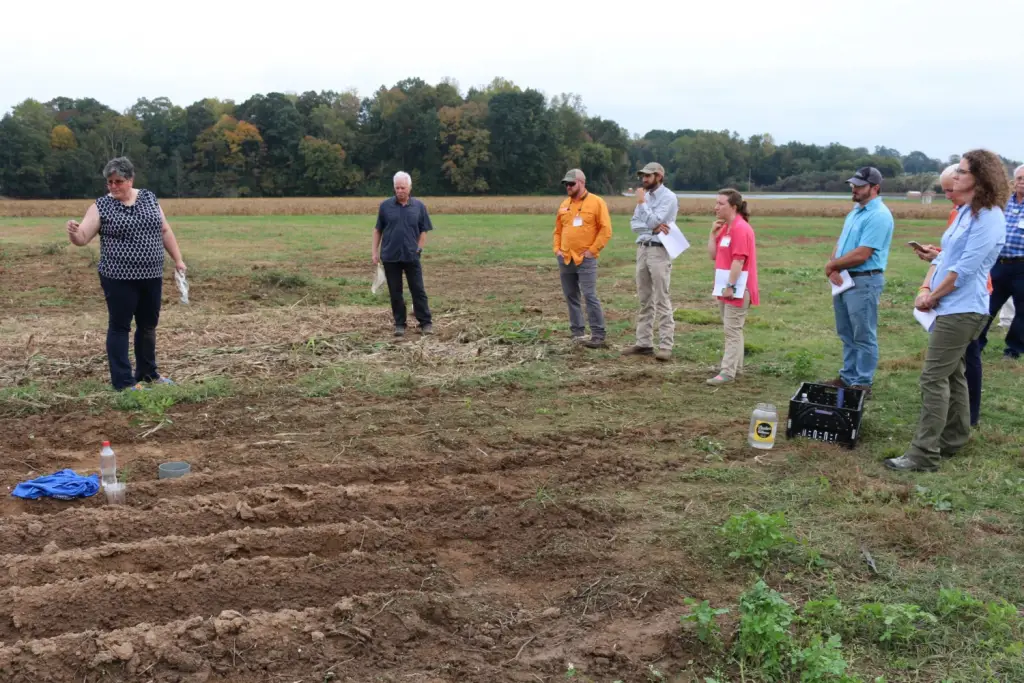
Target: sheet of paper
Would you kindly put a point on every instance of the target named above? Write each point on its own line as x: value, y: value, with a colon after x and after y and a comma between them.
x: 848, y: 283
x: 722, y: 279
x: 675, y: 242
x: 926, y: 318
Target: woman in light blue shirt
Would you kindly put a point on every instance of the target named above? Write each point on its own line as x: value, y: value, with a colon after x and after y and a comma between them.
x: 956, y: 291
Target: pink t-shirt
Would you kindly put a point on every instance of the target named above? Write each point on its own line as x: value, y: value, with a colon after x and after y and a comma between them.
x: 741, y: 243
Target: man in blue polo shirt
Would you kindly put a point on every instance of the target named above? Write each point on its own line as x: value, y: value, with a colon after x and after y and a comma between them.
x: 863, y: 251
x: 398, y: 239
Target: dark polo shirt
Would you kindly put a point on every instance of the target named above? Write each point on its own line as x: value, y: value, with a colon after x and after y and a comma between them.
x: 400, y: 228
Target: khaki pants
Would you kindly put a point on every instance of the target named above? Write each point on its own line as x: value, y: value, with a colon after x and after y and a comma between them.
x: 733, y: 318
x: 653, y: 278
x: 945, y: 423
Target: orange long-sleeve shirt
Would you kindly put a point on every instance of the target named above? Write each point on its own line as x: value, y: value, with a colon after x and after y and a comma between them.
x: 592, y: 233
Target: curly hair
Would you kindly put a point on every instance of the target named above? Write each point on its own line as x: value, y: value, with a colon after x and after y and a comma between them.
x: 991, y: 186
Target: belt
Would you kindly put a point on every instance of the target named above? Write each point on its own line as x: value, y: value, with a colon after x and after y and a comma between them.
x: 1010, y: 259
x: 649, y: 243
x: 861, y: 273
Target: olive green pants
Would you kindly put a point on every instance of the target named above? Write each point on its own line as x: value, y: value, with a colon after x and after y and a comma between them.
x: 945, y: 423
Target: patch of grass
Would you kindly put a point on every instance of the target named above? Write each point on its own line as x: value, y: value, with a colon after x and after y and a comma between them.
x: 156, y: 400
x: 378, y: 381
x: 696, y: 317
x: 281, y: 280
x: 520, y: 333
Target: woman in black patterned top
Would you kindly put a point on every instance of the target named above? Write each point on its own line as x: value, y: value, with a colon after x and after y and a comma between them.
x: 133, y: 235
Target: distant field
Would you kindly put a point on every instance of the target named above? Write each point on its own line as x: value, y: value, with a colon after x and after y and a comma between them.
x: 299, y: 206
x: 492, y: 503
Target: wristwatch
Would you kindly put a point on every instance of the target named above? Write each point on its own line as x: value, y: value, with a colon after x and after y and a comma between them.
x: 419, y: 251
x: 731, y: 286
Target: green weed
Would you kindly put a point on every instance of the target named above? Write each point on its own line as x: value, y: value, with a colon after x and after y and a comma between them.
x: 764, y: 640
x: 704, y: 617
x: 754, y: 536
x: 893, y: 624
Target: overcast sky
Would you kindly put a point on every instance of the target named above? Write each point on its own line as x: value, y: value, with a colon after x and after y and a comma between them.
x: 936, y: 76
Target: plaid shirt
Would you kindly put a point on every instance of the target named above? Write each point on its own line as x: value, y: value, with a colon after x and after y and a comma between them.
x: 1014, y: 247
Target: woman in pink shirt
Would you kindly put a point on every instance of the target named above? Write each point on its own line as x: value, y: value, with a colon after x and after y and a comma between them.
x: 731, y: 247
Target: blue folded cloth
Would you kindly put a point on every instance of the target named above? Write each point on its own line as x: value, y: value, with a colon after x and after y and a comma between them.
x: 64, y: 485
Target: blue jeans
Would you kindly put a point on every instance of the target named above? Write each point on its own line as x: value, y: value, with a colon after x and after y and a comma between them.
x: 857, y: 326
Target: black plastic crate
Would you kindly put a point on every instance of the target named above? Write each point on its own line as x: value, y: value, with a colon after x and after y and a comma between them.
x: 823, y: 416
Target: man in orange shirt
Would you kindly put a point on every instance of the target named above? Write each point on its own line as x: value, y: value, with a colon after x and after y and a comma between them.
x: 582, y: 229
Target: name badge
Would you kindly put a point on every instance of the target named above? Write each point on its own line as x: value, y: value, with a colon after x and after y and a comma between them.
x: 577, y: 222
x: 726, y: 241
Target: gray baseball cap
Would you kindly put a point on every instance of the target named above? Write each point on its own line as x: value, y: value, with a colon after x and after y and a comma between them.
x: 869, y: 175
x: 571, y: 175
x: 653, y: 167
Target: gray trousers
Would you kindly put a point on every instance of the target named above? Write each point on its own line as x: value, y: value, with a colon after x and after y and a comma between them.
x: 945, y: 423
x: 574, y: 280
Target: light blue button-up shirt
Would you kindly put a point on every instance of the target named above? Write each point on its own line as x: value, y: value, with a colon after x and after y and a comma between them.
x: 660, y: 206
x: 970, y: 247
x: 870, y: 225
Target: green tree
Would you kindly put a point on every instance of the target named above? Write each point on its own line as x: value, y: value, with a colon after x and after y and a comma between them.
x: 464, y: 144
x: 25, y: 150
x: 326, y: 172
x: 280, y: 126
x: 521, y: 142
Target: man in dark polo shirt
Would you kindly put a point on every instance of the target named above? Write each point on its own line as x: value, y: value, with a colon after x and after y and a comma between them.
x: 398, y: 239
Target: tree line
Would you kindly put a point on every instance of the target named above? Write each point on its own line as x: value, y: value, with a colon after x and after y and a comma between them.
x: 496, y: 139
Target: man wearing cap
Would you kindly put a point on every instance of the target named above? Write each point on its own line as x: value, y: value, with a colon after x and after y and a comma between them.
x: 582, y: 229
x: 656, y: 207
x: 863, y: 251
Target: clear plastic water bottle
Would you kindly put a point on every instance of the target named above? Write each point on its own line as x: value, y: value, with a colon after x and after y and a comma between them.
x: 764, y: 423
x: 108, y: 465
x: 112, y: 488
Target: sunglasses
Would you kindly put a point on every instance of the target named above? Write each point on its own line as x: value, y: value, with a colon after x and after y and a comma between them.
x: 568, y: 185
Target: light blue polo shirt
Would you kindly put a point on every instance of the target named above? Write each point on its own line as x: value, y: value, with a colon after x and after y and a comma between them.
x: 871, y: 226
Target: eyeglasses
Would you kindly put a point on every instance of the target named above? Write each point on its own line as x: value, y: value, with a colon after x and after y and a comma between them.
x: 116, y: 181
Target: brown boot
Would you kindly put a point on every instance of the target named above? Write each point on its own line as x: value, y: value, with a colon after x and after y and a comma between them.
x: 664, y: 355
x: 638, y: 351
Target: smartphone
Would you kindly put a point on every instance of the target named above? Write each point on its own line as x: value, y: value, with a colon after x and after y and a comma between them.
x: 915, y: 245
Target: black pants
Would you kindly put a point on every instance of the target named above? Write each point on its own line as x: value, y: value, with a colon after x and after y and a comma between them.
x: 972, y: 370
x: 127, y: 299
x: 1008, y: 283
x: 414, y: 275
